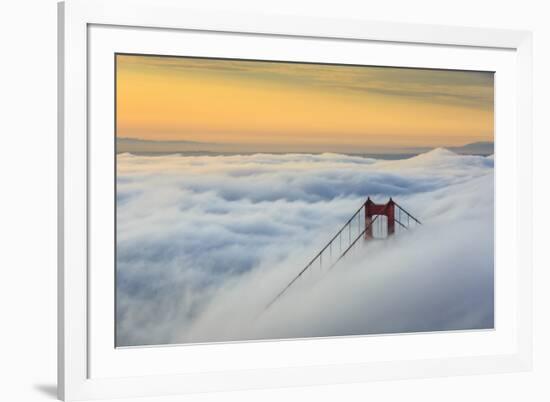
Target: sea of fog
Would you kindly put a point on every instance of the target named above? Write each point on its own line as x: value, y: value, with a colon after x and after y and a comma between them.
x: 205, y: 242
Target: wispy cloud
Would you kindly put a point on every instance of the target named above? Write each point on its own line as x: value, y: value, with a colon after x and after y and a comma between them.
x: 466, y: 88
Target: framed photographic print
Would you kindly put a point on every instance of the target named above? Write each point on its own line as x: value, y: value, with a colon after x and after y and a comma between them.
x: 256, y: 201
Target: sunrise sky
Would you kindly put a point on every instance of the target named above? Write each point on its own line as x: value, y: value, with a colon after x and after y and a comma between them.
x: 285, y: 107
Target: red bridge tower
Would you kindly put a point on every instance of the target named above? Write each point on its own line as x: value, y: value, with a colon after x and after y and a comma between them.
x: 372, y: 209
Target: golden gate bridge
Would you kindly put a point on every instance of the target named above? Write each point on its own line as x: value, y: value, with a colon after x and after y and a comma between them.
x: 389, y: 218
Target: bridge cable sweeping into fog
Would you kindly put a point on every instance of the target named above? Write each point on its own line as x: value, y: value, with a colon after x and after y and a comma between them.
x: 350, y: 233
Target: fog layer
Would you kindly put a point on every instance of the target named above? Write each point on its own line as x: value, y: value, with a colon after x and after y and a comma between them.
x: 205, y: 242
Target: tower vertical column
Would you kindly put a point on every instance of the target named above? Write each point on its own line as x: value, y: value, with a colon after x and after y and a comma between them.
x: 368, y: 218
x: 390, y: 213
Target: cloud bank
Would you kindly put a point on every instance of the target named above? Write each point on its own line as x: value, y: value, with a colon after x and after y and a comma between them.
x: 205, y: 242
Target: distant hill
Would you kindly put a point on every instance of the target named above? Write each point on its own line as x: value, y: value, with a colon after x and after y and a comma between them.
x: 136, y: 145
x: 475, y: 148
x: 141, y: 146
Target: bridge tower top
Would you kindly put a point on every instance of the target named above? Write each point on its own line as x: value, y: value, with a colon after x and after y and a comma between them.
x: 372, y: 210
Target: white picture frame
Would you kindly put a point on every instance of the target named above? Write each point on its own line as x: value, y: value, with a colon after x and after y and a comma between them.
x: 89, y: 368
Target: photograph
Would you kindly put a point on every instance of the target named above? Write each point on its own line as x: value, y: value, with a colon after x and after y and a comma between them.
x: 262, y: 200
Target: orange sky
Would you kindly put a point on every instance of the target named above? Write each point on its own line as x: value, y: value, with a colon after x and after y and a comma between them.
x: 294, y: 106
